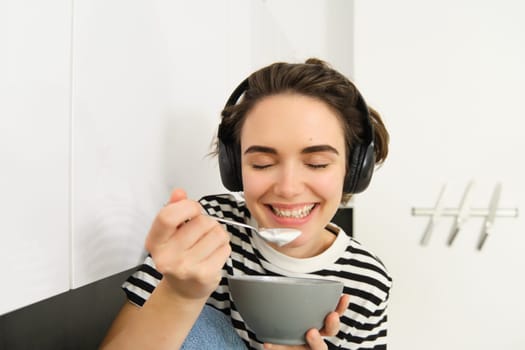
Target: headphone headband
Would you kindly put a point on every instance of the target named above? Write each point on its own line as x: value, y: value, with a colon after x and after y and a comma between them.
x: 360, y: 162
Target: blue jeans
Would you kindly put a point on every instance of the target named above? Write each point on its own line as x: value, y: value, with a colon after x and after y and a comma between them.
x: 213, y: 331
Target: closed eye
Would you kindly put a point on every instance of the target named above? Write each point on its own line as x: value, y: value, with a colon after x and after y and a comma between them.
x: 260, y: 167
x: 317, y: 166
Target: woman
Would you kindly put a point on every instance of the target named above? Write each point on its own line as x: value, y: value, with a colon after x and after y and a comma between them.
x: 295, y: 140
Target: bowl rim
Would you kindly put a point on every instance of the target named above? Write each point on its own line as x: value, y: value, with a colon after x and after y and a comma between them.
x: 286, y: 280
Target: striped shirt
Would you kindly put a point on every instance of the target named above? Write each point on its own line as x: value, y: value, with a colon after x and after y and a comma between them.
x: 363, y: 324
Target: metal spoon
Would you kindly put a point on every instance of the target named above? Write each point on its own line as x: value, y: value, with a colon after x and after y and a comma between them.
x: 280, y: 236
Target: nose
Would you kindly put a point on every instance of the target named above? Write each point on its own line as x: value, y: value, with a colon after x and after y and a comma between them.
x: 289, y: 181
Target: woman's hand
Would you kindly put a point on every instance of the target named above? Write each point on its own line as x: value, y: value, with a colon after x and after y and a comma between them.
x: 188, y: 248
x: 314, y: 337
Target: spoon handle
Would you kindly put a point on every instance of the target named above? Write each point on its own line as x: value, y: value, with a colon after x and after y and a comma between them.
x: 230, y: 222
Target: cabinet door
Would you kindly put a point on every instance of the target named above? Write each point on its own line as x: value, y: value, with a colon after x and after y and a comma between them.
x: 149, y: 81
x: 34, y: 150
x: 448, y: 78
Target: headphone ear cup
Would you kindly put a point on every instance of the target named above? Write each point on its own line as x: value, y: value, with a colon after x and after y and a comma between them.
x: 229, y: 153
x: 230, y: 167
x: 360, y: 169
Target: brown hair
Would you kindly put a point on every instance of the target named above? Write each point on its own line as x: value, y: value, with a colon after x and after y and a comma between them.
x: 314, y: 78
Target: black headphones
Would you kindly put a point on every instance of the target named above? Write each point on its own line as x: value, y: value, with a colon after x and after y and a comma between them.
x: 361, y: 160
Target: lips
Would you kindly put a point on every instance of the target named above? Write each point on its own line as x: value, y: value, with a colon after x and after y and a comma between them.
x: 294, y: 213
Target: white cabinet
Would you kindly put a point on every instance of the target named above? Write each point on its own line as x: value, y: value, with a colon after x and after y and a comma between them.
x: 448, y: 78
x: 35, y: 39
x: 149, y: 81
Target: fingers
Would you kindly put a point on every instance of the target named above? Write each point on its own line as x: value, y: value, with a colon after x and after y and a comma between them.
x: 198, y: 239
x: 190, y: 242
x: 314, y: 341
x: 193, y: 270
x: 169, y: 219
x: 177, y: 195
x: 331, y: 325
x: 188, y: 248
x: 268, y: 346
x: 344, y: 301
x: 332, y: 321
x: 314, y: 337
x: 202, y: 262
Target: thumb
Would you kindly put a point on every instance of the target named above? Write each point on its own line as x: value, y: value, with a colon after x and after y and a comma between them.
x: 177, y: 194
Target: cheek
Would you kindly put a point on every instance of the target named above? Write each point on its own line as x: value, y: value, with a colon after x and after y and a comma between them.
x: 332, y: 177
x: 254, y: 184
x: 257, y: 183
x: 331, y: 184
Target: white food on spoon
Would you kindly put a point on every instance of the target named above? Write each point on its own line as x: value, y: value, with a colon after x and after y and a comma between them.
x: 280, y: 236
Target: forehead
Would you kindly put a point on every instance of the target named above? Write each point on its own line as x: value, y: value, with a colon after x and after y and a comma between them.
x: 292, y: 119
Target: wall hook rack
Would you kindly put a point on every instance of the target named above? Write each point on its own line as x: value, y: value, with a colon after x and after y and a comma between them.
x: 463, y: 213
x: 473, y: 212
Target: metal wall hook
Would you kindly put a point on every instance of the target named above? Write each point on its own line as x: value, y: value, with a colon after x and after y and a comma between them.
x: 436, y: 214
x: 491, y: 216
x: 463, y: 213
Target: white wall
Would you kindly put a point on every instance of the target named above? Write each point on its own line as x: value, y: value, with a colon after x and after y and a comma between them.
x: 150, y: 79
x: 35, y: 55
x: 138, y: 87
x: 448, y: 78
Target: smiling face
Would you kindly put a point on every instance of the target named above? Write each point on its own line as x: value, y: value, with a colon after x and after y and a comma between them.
x: 293, y: 167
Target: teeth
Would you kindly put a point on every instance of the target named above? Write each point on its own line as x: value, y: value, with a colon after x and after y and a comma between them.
x: 296, y: 213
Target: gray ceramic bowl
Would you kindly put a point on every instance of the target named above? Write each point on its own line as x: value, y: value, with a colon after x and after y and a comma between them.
x: 281, y: 309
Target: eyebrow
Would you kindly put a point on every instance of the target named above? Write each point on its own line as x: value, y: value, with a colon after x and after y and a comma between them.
x: 260, y: 149
x: 307, y: 150
x: 319, y: 148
